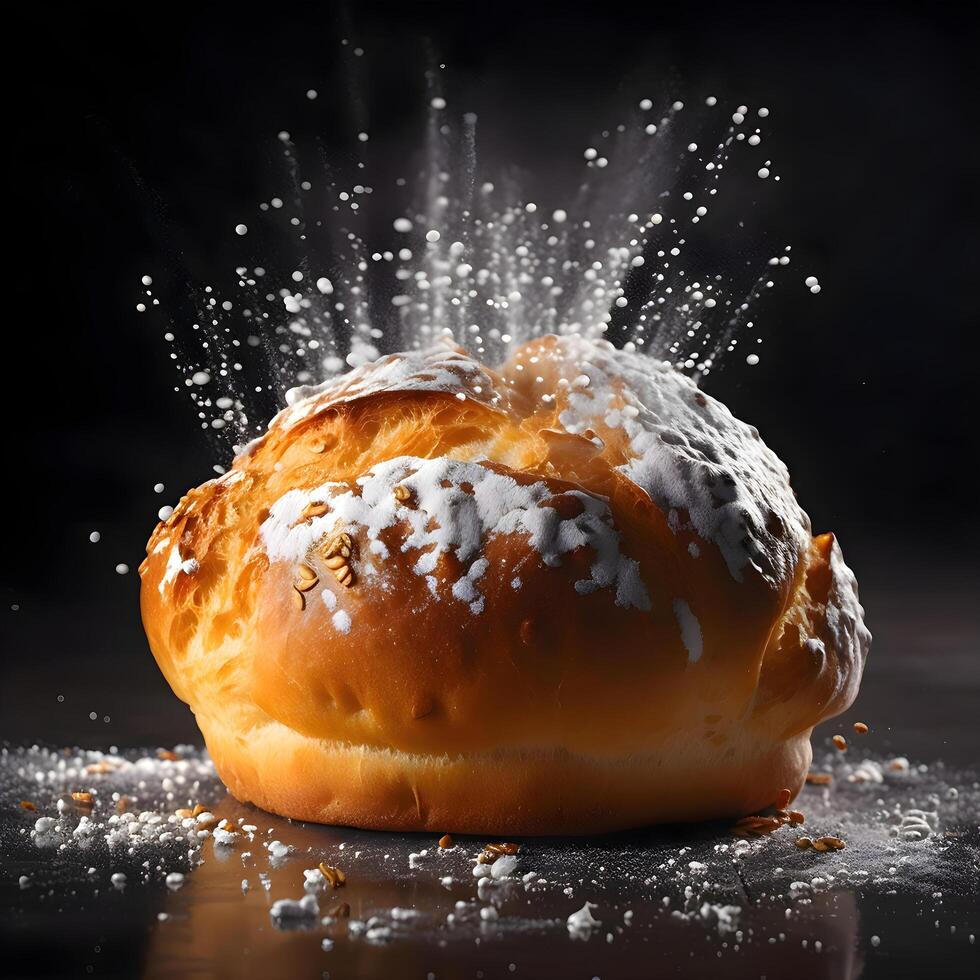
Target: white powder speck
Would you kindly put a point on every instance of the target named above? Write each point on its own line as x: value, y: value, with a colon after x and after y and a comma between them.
x: 690, y: 630
x: 582, y: 922
x: 286, y: 908
x: 504, y: 866
x: 724, y: 917
x: 341, y: 621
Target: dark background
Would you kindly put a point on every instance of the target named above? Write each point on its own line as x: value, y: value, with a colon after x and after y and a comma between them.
x: 140, y: 135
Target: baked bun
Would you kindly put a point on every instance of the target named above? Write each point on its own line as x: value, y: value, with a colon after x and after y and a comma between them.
x: 573, y: 595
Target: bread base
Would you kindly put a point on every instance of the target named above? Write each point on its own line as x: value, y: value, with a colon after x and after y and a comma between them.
x: 503, y: 793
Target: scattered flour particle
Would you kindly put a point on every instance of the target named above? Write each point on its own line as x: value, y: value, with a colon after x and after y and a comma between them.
x: 313, y: 879
x: 725, y: 917
x: 341, y: 621
x: 582, y: 922
x: 690, y: 630
x: 403, y: 915
x: 95, y: 537
x: 504, y: 866
x: 241, y: 229
x: 287, y: 908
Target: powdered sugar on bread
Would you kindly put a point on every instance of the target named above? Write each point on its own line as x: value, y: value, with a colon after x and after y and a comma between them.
x: 702, y: 466
x: 455, y: 506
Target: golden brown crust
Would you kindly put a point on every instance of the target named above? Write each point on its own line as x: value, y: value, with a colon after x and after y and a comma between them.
x: 357, y: 671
